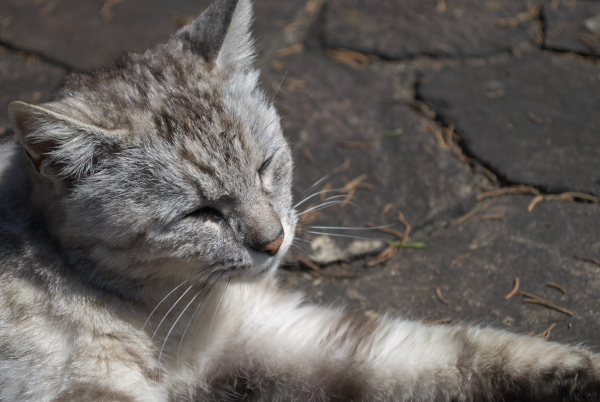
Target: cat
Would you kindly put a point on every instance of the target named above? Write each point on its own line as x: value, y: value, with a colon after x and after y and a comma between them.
x: 143, y: 214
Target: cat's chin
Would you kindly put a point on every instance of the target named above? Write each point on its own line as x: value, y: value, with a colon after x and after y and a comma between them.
x: 250, y: 274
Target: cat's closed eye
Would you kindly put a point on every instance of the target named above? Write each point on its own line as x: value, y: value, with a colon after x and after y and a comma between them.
x: 206, y: 213
x: 263, y: 168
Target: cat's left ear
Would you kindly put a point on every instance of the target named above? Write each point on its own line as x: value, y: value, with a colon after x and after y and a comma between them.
x: 221, y: 34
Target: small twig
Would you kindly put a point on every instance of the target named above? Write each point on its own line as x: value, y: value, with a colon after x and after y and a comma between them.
x: 387, y: 208
x: 515, y: 289
x: 495, y: 94
x: 520, y: 189
x: 351, y: 58
x: 546, y: 333
x: 384, y: 256
x: 309, y: 264
x: 391, y: 231
x: 536, y: 200
x: 470, y: 214
x: 557, y: 287
x: 534, y: 118
x: 345, y: 165
x: 308, y: 155
x: 325, y: 274
x: 588, y: 259
x: 438, y: 135
x: 488, y: 173
x: 438, y: 292
x: 567, y: 196
x: 406, y: 224
x: 290, y: 50
x: 531, y: 298
x: 520, y: 18
x: 495, y: 217
x: 351, y: 185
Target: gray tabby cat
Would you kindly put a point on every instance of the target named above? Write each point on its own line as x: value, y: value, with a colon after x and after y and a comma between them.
x: 143, y: 215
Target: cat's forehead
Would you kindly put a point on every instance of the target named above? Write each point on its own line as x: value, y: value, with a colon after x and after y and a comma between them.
x: 166, y: 94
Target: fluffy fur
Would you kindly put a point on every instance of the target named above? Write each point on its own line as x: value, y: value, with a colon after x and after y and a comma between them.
x: 142, y: 215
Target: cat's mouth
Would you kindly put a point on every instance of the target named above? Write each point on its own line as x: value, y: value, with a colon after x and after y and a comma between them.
x: 249, y: 273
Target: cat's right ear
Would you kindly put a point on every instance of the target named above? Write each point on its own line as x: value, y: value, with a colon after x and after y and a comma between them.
x: 221, y: 35
x: 59, y: 147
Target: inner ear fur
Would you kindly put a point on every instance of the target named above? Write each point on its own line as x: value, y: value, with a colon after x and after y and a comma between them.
x: 58, y: 146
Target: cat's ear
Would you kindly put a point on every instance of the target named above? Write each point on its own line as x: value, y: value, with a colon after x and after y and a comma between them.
x: 59, y: 147
x: 221, y: 34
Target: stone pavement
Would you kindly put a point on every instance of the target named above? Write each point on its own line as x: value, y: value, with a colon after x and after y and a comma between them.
x: 468, y: 129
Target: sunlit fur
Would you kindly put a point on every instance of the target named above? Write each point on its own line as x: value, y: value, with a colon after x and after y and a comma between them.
x: 136, y: 212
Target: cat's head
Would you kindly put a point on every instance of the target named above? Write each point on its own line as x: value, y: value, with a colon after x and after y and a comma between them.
x: 170, y: 163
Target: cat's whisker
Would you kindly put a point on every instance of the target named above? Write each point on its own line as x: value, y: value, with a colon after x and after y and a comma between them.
x: 321, y: 206
x: 163, y: 299
x: 319, y: 193
x: 282, y: 80
x: 217, y: 309
x: 343, y: 235
x: 194, y: 316
x: 315, y: 184
x: 353, y: 228
x: 172, y: 307
x: 183, y: 312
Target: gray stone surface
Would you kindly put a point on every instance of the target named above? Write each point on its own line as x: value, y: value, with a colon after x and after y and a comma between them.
x: 24, y: 78
x: 85, y: 34
x: 573, y: 28
x: 534, y: 120
x: 475, y: 264
x: 325, y: 104
x: 396, y: 29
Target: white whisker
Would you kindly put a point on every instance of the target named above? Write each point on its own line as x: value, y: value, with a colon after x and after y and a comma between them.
x: 321, y: 206
x: 315, y: 184
x: 353, y: 228
x: 163, y: 299
x: 217, y: 309
x: 172, y: 307
x: 331, y: 190
x: 283, y: 79
x: 342, y: 235
x: 194, y: 316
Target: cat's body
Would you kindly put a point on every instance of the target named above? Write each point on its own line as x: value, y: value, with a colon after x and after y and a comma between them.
x: 139, y: 241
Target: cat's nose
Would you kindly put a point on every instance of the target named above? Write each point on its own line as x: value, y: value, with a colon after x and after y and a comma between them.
x: 272, y: 247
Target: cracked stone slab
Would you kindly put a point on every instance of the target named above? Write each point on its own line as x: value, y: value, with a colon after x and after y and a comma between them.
x: 345, y: 122
x: 573, y: 28
x: 24, y: 78
x: 475, y: 263
x: 86, y: 34
x: 396, y: 29
x: 533, y: 121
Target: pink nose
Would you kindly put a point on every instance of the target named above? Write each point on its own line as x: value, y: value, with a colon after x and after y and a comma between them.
x: 273, y: 247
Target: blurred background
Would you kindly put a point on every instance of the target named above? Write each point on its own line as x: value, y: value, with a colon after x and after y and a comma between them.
x: 447, y: 151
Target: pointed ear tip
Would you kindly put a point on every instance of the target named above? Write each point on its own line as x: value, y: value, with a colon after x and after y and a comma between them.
x: 16, y: 106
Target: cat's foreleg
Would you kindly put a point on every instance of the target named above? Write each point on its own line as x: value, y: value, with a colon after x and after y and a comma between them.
x: 277, y: 347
